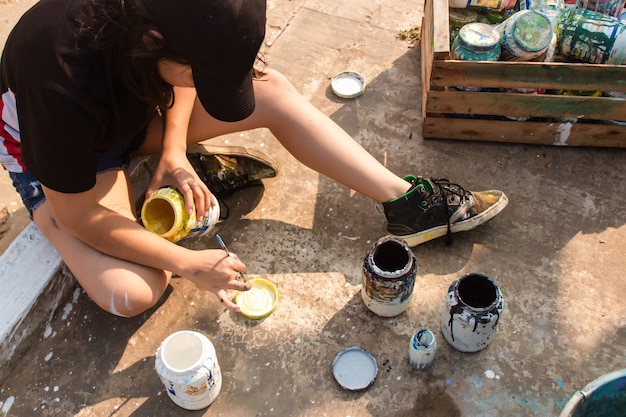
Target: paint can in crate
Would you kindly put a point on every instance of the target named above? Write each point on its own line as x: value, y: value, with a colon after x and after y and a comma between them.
x: 525, y: 36
x: 608, y: 7
x: 470, y: 319
x: 187, y: 365
x: 594, y: 37
x: 389, y: 271
x: 476, y: 42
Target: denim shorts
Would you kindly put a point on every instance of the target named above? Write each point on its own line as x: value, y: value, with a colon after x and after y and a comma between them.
x: 29, y: 187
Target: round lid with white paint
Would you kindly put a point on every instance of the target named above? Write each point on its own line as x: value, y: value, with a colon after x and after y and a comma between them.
x: 355, y: 369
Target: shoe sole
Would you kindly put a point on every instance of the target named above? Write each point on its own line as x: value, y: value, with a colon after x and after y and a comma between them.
x: 462, y: 226
x: 235, y: 151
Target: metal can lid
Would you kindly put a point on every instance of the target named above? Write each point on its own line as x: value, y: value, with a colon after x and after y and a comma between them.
x: 355, y: 369
x: 348, y: 84
x: 532, y: 31
x: 480, y: 36
x: 259, y: 301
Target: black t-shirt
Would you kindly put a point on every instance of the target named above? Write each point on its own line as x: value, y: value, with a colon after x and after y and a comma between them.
x: 71, y: 104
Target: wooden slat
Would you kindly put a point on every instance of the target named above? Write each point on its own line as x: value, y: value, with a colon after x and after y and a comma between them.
x: 444, y: 110
x: 560, y: 134
x: 521, y: 105
x: 502, y: 74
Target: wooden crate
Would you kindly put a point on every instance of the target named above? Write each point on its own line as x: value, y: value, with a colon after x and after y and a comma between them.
x: 551, y: 119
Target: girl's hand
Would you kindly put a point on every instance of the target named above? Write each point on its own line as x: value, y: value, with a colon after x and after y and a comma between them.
x: 177, y: 172
x: 218, y: 273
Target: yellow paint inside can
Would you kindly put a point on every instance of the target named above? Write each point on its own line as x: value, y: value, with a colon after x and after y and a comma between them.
x: 164, y: 213
x: 160, y: 215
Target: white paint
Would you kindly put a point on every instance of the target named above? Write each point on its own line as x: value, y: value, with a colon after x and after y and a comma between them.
x: 564, y: 130
x: 112, y: 306
x: 66, y: 311
x: 7, y: 405
x: 26, y: 269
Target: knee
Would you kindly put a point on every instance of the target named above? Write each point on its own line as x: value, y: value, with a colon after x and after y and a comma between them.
x: 277, y: 81
x: 133, y: 297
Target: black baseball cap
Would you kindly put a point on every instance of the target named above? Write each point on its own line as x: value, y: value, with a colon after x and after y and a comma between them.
x: 220, y: 39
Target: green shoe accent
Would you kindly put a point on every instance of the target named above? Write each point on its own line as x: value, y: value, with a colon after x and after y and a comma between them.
x: 434, y: 208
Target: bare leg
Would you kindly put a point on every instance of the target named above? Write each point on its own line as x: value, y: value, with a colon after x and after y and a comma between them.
x: 309, y: 135
x: 117, y: 286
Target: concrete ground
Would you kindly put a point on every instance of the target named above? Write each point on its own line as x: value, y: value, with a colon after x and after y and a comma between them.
x: 556, y: 252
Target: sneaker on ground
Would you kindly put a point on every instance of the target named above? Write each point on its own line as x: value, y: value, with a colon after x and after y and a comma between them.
x: 225, y: 169
x: 434, y: 208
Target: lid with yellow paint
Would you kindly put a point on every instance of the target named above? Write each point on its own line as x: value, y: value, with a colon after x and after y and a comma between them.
x: 259, y: 301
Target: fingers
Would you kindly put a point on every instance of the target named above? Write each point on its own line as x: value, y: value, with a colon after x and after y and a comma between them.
x: 223, y: 296
x: 227, y: 303
x: 199, y: 195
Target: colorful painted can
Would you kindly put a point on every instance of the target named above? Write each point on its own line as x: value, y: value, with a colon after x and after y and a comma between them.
x: 164, y: 213
x: 461, y: 17
x: 187, y: 365
x: 486, y: 4
x: 389, y: 271
x: 608, y: 7
x: 525, y: 36
x: 594, y: 38
x: 422, y: 348
x: 477, y: 42
x: 534, y: 4
x: 474, y: 305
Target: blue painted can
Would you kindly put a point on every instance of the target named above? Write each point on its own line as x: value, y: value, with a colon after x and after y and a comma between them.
x: 422, y: 348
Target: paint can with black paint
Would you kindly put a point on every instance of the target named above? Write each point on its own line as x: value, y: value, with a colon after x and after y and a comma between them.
x: 474, y: 304
x: 389, y: 271
x: 422, y: 348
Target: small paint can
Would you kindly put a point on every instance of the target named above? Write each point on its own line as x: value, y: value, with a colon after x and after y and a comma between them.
x: 594, y: 37
x: 422, y: 348
x: 389, y: 271
x: 164, y: 213
x: 535, y: 4
x: 476, y: 42
x: 187, y: 365
x: 525, y: 36
x: 486, y: 4
x: 474, y: 305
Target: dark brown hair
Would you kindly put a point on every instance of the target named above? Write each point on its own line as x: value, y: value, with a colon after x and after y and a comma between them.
x: 135, y: 44
x: 122, y: 27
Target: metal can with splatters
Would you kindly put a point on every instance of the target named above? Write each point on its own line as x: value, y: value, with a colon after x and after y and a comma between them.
x: 474, y: 304
x: 476, y: 42
x: 389, y: 271
x: 187, y: 365
x: 422, y: 348
x: 594, y: 38
x: 487, y: 4
x: 525, y: 36
x: 164, y: 213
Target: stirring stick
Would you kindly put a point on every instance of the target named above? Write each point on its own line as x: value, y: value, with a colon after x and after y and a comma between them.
x: 225, y: 249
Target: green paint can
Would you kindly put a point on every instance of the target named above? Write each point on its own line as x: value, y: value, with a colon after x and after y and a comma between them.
x: 525, y: 36
x: 476, y: 42
x: 594, y: 38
